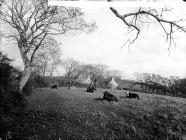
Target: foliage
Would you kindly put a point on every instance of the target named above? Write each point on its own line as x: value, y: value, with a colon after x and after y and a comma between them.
x: 11, y: 102
x: 182, y: 86
x: 5, y: 70
x: 35, y: 81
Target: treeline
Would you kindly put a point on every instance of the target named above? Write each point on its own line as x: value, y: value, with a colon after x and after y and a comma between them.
x: 75, y: 74
x: 155, y: 83
x: 62, y: 81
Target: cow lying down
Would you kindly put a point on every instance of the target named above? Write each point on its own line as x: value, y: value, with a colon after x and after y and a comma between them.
x: 54, y: 87
x: 109, y: 97
x: 132, y: 95
x: 91, y: 89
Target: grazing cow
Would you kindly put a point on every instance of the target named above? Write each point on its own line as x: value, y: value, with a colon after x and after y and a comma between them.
x: 132, y: 95
x: 91, y: 89
x: 109, y: 97
x: 54, y: 87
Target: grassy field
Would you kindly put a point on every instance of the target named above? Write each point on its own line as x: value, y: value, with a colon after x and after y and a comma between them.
x: 56, y: 114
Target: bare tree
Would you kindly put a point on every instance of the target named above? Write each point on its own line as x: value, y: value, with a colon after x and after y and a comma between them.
x: 155, y: 82
x: 115, y: 73
x: 144, y: 80
x: 164, y: 84
x: 158, y: 82
x: 47, y: 58
x: 73, y: 70
x: 101, y: 71
x: 32, y: 20
x: 144, y: 16
x: 97, y: 72
x: 173, y: 83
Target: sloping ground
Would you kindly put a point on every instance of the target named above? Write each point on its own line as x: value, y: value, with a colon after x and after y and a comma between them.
x: 75, y: 114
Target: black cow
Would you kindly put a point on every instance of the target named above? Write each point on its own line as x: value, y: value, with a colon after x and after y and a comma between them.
x: 132, y: 95
x: 54, y: 87
x: 91, y: 89
x: 124, y: 88
x: 109, y: 97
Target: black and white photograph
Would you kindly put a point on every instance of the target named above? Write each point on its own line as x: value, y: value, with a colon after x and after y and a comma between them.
x: 122, y: 0
x: 92, y: 70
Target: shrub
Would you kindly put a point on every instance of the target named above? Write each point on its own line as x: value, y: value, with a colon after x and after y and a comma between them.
x: 11, y: 102
x: 35, y: 81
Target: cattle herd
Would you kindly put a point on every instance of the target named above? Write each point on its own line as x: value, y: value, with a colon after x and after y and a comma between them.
x: 110, y: 97
x: 107, y: 95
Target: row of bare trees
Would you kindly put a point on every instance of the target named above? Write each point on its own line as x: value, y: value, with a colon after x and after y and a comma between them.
x: 74, y: 71
x: 47, y: 62
x: 157, y: 83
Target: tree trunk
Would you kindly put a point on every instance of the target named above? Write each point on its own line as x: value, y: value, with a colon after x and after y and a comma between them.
x: 68, y: 84
x: 145, y: 88
x: 176, y: 93
x: 25, y: 77
x: 92, y: 83
x: 164, y: 92
x: 44, y: 72
x: 27, y: 66
x: 153, y: 90
x: 157, y: 92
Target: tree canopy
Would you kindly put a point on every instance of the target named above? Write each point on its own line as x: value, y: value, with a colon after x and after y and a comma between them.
x: 31, y: 21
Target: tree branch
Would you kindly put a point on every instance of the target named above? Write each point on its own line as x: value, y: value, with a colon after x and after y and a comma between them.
x: 133, y: 24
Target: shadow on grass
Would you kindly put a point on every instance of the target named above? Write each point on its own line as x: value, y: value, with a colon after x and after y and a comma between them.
x: 99, y: 99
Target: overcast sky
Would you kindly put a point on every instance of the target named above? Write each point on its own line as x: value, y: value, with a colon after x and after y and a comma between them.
x: 148, y: 54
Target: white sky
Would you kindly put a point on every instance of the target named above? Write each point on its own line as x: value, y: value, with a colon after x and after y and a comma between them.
x: 148, y: 54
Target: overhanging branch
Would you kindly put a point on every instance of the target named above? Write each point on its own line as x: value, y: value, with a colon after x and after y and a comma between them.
x: 153, y: 13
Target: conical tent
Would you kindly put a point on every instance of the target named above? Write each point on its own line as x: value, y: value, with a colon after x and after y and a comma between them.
x: 113, y: 85
x: 87, y: 81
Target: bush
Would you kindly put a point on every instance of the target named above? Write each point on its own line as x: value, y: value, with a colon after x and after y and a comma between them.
x: 28, y: 88
x: 11, y: 102
x: 182, y: 86
x: 35, y: 81
x: 39, y: 81
x: 12, y: 105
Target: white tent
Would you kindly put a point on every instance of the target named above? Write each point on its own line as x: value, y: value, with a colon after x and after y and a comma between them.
x: 113, y: 85
x: 87, y: 81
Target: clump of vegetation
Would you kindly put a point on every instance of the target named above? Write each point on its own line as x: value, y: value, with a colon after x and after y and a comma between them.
x: 35, y: 81
x: 12, y: 102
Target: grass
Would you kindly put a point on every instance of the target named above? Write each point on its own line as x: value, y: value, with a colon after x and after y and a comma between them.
x: 74, y: 114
